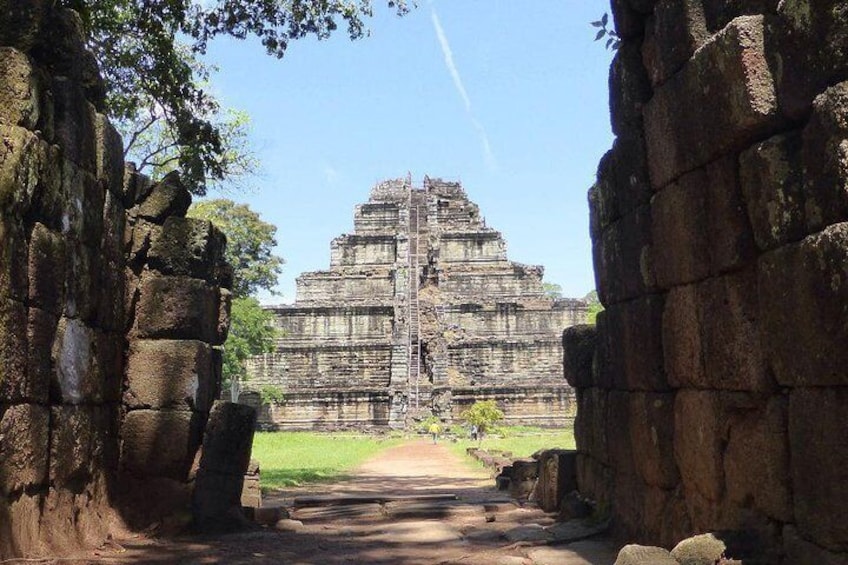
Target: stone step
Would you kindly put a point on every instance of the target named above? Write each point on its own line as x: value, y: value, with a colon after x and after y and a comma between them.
x: 348, y: 499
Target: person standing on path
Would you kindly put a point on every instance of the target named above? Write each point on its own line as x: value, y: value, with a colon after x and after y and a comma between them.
x: 434, y: 429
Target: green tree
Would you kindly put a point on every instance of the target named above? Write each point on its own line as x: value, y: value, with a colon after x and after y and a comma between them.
x: 148, y: 51
x: 594, y: 305
x: 552, y: 290
x: 250, y: 244
x: 484, y: 414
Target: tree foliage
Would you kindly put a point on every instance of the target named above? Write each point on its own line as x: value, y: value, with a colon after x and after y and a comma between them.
x: 149, y: 52
x: 250, y: 244
x: 613, y: 40
x: 552, y: 290
x: 595, y: 306
x: 251, y: 333
x: 484, y: 414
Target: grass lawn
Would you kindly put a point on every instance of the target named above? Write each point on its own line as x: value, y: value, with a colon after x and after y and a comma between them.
x: 522, y: 442
x: 289, y: 459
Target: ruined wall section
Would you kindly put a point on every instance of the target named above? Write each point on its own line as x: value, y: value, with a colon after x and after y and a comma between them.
x: 68, y: 297
x: 717, y: 395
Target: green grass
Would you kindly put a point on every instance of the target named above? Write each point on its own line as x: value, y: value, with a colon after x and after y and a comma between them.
x: 289, y: 459
x: 522, y: 441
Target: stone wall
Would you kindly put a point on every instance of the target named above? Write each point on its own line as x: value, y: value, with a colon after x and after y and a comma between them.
x: 106, y: 315
x: 717, y: 396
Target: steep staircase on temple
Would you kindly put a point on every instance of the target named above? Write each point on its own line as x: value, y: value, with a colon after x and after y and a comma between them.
x: 416, y: 204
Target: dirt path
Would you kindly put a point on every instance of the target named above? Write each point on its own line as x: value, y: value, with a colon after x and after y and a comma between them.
x: 479, y: 526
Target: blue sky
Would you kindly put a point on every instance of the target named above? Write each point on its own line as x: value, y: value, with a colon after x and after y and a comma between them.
x: 508, y: 97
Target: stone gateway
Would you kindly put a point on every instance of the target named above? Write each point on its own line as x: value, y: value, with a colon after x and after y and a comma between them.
x: 420, y: 313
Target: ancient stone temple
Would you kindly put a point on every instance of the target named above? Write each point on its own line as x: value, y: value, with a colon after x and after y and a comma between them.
x: 420, y: 312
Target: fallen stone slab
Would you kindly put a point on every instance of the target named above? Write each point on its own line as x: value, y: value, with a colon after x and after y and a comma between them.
x: 404, y: 510
x: 346, y: 499
x: 575, y: 530
x: 529, y: 532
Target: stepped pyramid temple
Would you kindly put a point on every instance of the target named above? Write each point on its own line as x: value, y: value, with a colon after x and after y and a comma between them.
x: 420, y: 312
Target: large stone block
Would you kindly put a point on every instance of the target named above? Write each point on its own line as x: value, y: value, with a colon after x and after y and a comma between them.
x: 771, y: 178
x: 698, y: 434
x: 762, y: 481
x: 22, y: 22
x: 594, y: 481
x: 818, y: 424
x: 617, y: 431
x: 225, y: 304
x: 13, y: 258
x: 41, y: 331
x: 731, y: 240
x: 19, y: 94
x: 167, y: 198
x: 111, y: 312
x: 733, y: 353
x: 590, y: 431
x: 24, y: 432
x: 80, y: 370
x: 187, y: 247
x: 803, y: 288
x: 691, y: 120
x: 629, y: 89
x: 809, y: 44
x: 719, y: 13
x: 21, y: 162
x: 84, y: 198
x: 823, y: 154
x: 623, y: 258
x: 160, y: 443
x: 681, y: 335
x: 557, y: 477
x: 578, y: 348
x: 228, y: 439
x: 679, y: 232
x: 13, y: 351
x: 801, y: 552
x: 174, y: 374
x: 176, y: 308
x: 114, y: 228
x: 674, y: 32
x: 76, y: 445
x: 652, y: 432
x: 110, y: 155
x: 634, y: 333
x: 623, y: 184
x: 47, y: 260
x: 73, y: 122
x: 82, y: 281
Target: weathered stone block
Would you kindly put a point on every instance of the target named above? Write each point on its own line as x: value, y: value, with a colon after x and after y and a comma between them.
x: 225, y: 303
x: 78, y: 371
x: 176, y: 308
x: 681, y: 335
x: 623, y: 258
x: 216, y: 503
x: 719, y: 13
x: 578, y: 347
x: 679, y: 232
x: 824, y: 157
x: 23, y: 447
x: 557, y: 477
x: 634, y: 331
x: 41, y: 331
x: 731, y: 240
x: 617, y: 432
x: 110, y: 155
x: 801, y: 552
x: 228, y: 439
x: 818, y: 424
x: 13, y: 351
x: 76, y: 446
x: 111, y: 313
x: 628, y: 22
x: 698, y: 452
x: 160, y: 443
x: 809, y: 43
x: 652, y: 432
x: 187, y: 247
x: 700, y: 549
x: 114, y: 227
x: 594, y: 480
x: 771, y: 178
x: 22, y: 22
x: 47, y: 257
x: 664, y: 516
x: 623, y: 183
x: 13, y: 258
x: 674, y: 32
x: 629, y: 89
x: 73, y: 122
x: 82, y: 278
x: 690, y: 121
x: 761, y: 481
x: 21, y: 159
x: 169, y: 374
x: 799, y: 286
x: 48, y: 201
x: 644, y: 555
x: 19, y: 95
x: 733, y: 352
x: 167, y: 198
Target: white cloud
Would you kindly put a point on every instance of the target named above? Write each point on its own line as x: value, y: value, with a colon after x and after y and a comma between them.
x: 460, y: 88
